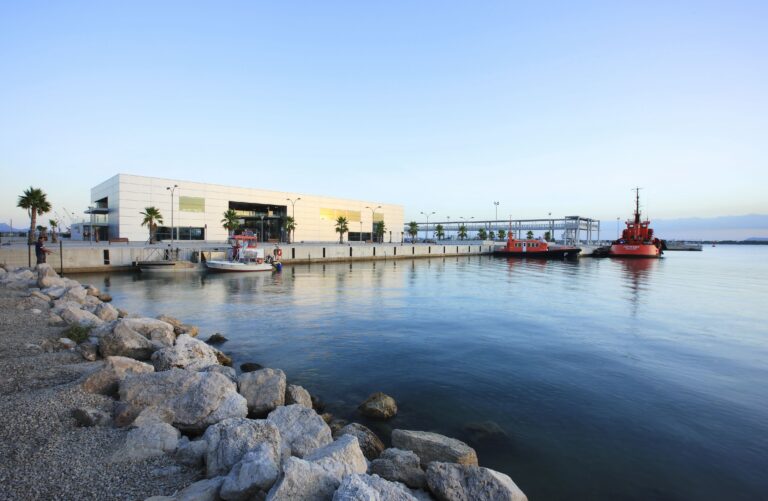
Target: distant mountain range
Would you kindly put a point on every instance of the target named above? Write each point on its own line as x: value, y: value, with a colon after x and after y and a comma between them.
x: 5, y: 228
x: 750, y: 226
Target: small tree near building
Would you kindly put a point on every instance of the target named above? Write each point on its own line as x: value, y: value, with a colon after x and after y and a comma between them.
x: 481, y: 234
x: 413, y: 230
x: 529, y: 235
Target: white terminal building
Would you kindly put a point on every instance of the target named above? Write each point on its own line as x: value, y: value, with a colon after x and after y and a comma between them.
x: 196, y: 209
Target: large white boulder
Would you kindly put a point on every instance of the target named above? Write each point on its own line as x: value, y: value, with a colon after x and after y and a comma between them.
x: 106, y: 380
x: 106, y: 311
x: 126, y: 342
x: 301, y: 429
x: 47, y: 277
x: 371, y: 488
x: 295, y: 394
x: 458, y: 482
x: 152, y: 329
x: 195, y: 399
x: 76, y: 316
x: 434, y: 447
x: 302, y: 480
x: 153, y: 439
x: 229, y: 440
x: 252, y: 476
x: 341, y: 457
x: 187, y: 353
x: 76, y: 294
x: 263, y: 389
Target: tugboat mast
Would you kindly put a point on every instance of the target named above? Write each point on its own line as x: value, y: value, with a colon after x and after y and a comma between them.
x: 637, y: 205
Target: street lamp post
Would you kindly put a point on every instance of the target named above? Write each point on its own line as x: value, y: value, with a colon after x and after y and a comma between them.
x: 496, y: 218
x: 373, y: 211
x: 293, y: 216
x: 551, y: 227
x: 465, y: 219
x: 172, y: 189
x: 617, y: 227
x: 426, y: 232
x: 261, y: 236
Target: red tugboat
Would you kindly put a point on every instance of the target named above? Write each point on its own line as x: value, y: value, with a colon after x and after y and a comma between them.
x: 637, y: 239
x: 536, y: 249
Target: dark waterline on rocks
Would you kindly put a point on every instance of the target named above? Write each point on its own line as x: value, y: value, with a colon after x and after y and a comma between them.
x: 596, y: 379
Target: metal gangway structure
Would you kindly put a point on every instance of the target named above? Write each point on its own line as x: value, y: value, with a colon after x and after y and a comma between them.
x: 569, y: 230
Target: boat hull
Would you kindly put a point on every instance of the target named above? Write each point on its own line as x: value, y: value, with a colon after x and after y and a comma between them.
x: 567, y: 253
x: 635, y: 250
x: 236, y: 267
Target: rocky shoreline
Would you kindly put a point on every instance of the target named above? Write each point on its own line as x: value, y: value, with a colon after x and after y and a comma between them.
x: 98, y: 403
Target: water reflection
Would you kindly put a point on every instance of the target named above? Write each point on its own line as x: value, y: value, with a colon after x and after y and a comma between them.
x: 636, y: 273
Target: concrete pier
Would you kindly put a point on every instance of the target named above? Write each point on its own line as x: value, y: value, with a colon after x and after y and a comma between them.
x: 77, y: 257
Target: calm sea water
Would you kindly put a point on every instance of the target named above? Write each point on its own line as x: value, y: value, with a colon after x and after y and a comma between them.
x: 600, y: 379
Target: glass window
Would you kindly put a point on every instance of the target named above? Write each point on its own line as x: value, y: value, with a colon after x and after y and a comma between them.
x: 353, y: 216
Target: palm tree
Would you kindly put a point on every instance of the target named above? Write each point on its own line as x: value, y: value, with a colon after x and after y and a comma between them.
x: 529, y: 235
x: 341, y: 227
x: 152, y: 218
x: 42, y: 231
x: 547, y: 236
x: 413, y: 229
x: 462, y: 232
x: 289, y: 225
x: 54, y: 227
x: 378, y: 230
x: 502, y: 234
x: 491, y: 235
x: 231, y: 221
x: 36, y: 202
x: 481, y: 234
x: 439, y: 231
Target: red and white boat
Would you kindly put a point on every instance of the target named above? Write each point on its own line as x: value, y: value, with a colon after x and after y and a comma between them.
x: 637, y: 239
x: 535, y: 248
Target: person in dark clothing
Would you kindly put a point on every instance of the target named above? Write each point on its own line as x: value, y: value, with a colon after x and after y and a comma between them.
x: 41, y: 250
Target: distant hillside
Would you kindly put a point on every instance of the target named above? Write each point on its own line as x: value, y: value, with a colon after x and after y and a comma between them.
x: 5, y: 228
x: 715, y: 228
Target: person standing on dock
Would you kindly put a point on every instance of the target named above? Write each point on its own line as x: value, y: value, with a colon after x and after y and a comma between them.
x: 41, y: 250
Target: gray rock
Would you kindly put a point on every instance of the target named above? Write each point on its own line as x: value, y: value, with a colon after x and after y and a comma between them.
x: 457, y: 482
x: 126, y: 342
x: 92, y: 290
x: 77, y: 316
x: 263, y: 389
x: 106, y: 380
x: 54, y: 292
x: 54, y: 319
x: 151, y: 415
x: 106, y: 312
x: 152, y: 329
x: 370, y: 444
x: 378, y: 406
x: 295, y: 394
x: 75, y: 294
x: 104, y: 297
x: 187, y: 353
x: 196, y: 399
x: 250, y: 367
x: 87, y: 416
x: 305, y: 481
x: 301, y: 429
x: 218, y: 338
x: 39, y: 295
x: 434, y: 447
x: 67, y: 343
x: 223, y: 370
x: 47, y: 276
x: 371, y: 488
x: 400, y: 466
x: 154, y: 439
x: 191, y: 452
x: 341, y: 457
x: 229, y: 440
x: 202, y: 490
x: 252, y: 476
x: 89, y: 350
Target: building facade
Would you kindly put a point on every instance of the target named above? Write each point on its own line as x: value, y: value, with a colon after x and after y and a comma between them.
x: 195, y: 210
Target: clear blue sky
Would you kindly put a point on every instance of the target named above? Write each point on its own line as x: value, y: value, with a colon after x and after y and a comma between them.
x: 557, y: 107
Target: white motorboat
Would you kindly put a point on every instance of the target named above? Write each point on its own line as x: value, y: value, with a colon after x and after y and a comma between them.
x: 245, y: 255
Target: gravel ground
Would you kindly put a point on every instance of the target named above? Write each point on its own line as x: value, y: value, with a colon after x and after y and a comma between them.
x: 43, y: 453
